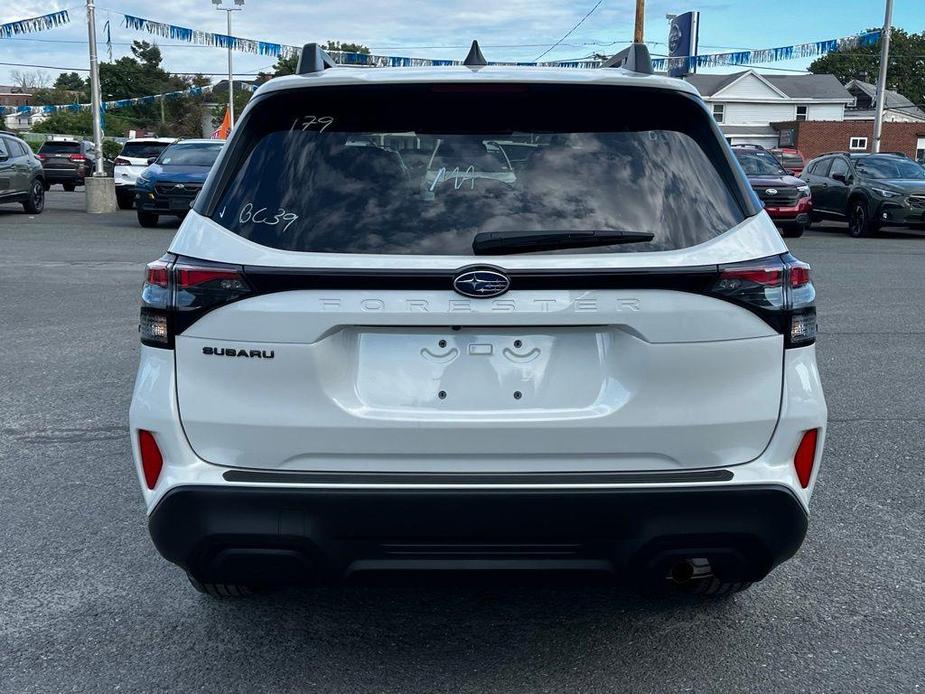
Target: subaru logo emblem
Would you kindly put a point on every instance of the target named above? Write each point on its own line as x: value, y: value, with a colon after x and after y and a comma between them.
x: 179, y: 185
x: 771, y: 191
x: 481, y: 283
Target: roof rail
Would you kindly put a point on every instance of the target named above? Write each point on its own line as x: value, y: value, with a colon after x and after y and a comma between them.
x: 634, y: 58
x: 837, y: 151
x: 475, y: 57
x: 313, y: 59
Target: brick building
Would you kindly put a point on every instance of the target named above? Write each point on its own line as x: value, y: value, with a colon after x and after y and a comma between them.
x: 813, y: 138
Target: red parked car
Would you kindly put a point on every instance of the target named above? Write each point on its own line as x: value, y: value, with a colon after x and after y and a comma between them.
x: 792, y: 159
x: 786, y: 198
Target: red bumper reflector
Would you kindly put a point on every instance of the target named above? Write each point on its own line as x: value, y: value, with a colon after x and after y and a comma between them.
x: 805, y: 457
x: 151, y: 460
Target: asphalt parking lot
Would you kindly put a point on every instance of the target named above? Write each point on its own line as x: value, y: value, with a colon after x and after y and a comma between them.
x: 87, y: 605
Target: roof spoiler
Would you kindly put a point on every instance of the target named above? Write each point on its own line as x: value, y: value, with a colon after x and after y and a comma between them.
x: 313, y: 59
x: 634, y: 58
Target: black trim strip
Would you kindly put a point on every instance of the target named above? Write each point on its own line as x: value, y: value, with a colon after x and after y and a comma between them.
x: 276, y: 279
x: 412, y: 478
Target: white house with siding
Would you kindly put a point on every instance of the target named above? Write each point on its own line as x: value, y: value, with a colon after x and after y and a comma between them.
x: 746, y: 103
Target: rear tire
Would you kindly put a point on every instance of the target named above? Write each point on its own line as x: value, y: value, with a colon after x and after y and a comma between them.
x: 124, y: 200
x: 147, y: 219
x: 221, y: 590
x: 35, y: 203
x: 794, y: 231
x: 69, y: 187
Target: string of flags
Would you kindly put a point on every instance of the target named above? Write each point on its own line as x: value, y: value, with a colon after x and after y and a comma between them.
x: 768, y: 55
x: 33, y: 24
x: 279, y: 50
x: 106, y: 105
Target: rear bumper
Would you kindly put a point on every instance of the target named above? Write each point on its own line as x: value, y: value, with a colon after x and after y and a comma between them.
x: 261, y: 535
x: 74, y: 176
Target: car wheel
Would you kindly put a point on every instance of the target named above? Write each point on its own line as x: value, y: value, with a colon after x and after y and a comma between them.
x: 35, y: 203
x: 69, y: 187
x: 793, y: 231
x: 125, y: 201
x: 859, y: 222
x: 147, y: 219
x: 221, y: 590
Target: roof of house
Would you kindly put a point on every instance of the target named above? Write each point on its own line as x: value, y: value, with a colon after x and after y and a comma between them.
x: 795, y: 86
x: 892, y: 100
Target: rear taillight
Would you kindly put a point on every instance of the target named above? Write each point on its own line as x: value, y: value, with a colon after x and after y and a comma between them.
x: 40, y: 156
x: 77, y: 157
x: 178, y: 291
x: 151, y: 459
x: 122, y: 161
x: 778, y: 289
x: 805, y: 457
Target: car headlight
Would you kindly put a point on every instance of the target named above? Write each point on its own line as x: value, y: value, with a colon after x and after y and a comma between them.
x: 884, y: 193
x: 804, y: 191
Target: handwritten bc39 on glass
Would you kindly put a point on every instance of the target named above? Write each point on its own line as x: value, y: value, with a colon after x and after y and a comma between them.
x: 249, y: 215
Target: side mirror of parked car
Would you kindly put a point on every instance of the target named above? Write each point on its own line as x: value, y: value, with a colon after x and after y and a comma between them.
x: 840, y: 177
x: 151, y: 160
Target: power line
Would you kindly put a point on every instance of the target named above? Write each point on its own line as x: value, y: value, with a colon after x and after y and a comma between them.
x: 185, y: 74
x: 569, y: 32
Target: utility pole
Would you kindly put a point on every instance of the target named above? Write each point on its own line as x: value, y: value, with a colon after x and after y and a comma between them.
x: 95, y: 91
x: 239, y: 5
x: 639, y: 32
x: 100, y: 188
x: 881, y: 80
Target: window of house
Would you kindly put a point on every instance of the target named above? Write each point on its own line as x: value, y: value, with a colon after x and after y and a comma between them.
x: 801, y: 112
x: 719, y: 112
x: 857, y: 143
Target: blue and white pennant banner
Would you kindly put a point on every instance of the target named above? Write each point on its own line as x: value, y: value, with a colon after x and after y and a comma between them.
x: 106, y: 105
x: 276, y: 50
x: 33, y: 24
x: 768, y: 55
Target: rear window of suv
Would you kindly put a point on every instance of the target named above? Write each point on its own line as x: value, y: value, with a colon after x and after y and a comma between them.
x: 143, y: 150
x: 60, y: 147
x: 421, y: 169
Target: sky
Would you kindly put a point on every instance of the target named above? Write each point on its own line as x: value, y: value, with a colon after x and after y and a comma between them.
x: 512, y: 30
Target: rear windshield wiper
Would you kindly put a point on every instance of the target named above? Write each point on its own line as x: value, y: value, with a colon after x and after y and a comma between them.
x: 506, y: 242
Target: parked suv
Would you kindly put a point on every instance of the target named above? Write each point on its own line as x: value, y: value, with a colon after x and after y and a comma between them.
x: 346, y: 366
x: 135, y: 157
x: 867, y: 190
x: 786, y: 198
x: 67, y: 162
x: 21, y: 177
x: 170, y: 183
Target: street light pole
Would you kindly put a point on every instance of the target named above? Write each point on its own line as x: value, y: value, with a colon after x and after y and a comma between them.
x: 881, y: 79
x: 228, y: 11
x: 639, y: 29
x: 95, y: 91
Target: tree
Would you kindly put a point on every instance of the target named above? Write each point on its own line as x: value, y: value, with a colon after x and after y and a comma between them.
x: 346, y: 47
x: 30, y: 79
x: 905, y: 72
x: 70, y: 82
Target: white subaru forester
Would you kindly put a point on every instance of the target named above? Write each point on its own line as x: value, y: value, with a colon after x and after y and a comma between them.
x: 477, y: 317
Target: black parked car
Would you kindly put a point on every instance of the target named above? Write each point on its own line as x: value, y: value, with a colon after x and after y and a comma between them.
x: 867, y: 190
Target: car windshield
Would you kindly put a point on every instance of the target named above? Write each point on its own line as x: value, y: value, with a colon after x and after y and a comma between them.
x: 890, y: 167
x: 143, y: 150
x: 190, y: 154
x: 758, y: 163
x: 59, y: 147
x: 422, y: 169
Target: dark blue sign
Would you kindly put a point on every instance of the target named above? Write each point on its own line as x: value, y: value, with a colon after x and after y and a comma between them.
x: 682, y: 43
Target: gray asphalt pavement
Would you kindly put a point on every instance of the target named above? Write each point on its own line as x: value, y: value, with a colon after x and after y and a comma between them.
x: 87, y: 605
